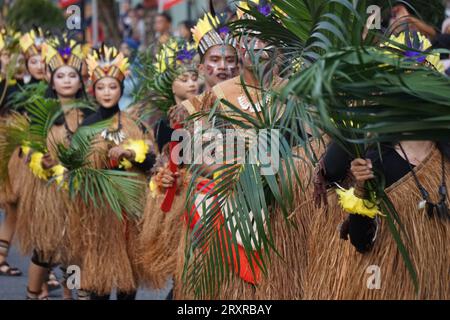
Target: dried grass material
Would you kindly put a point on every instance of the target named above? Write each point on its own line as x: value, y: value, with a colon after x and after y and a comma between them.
x: 25, y: 212
x: 107, y: 245
x: 50, y: 221
x: 160, y: 238
x: 286, y: 273
x: 105, y: 260
x: 11, y: 189
x: 337, y: 271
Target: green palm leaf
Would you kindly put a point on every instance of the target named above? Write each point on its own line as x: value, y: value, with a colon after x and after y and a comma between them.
x: 243, y: 197
x: 28, y: 94
x: 43, y: 114
x: 345, y: 87
x: 119, y: 190
x: 13, y: 133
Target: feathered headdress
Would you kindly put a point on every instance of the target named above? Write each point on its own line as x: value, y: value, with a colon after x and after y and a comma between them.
x: 158, y: 74
x: 9, y: 40
x: 107, y: 62
x: 176, y: 54
x: 419, y: 45
x: 264, y: 7
x: 212, y: 30
x: 62, y: 51
x: 31, y: 42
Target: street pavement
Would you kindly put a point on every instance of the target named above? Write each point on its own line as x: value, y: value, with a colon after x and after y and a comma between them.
x: 14, y: 288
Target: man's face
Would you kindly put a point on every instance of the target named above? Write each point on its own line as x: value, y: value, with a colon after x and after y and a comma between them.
x: 161, y: 24
x: 220, y: 63
x: 254, y: 52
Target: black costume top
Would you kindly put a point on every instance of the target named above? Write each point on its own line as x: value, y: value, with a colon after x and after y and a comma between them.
x: 107, y: 113
x: 387, y: 161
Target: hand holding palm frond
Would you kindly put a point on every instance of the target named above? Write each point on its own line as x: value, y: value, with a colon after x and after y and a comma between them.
x: 232, y: 234
x: 120, y: 190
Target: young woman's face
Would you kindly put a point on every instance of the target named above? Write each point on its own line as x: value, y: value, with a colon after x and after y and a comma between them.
x: 186, y: 86
x: 107, y: 92
x: 66, y: 82
x: 36, y: 67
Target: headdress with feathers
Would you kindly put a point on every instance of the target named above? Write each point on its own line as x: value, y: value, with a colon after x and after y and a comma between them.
x: 61, y: 51
x: 107, y: 62
x: 212, y: 30
x: 31, y: 42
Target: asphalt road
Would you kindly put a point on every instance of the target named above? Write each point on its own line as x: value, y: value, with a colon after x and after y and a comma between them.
x: 14, y: 288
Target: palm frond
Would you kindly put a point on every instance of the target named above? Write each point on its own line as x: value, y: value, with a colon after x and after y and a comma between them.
x: 236, y: 207
x: 345, y: 87
x: 153, y: 90
x: 43, y: 114
x: 119, y: 190
x: 13, y: 134
x: 28, y: 94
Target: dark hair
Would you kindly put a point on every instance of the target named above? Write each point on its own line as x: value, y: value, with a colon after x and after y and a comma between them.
x: 188, y: 24
x: 51, y: 93
x: 444, y: 147
x: 166, y: 16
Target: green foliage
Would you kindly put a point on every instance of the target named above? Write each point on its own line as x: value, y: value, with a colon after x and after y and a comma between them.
x: 24, y: 14
x: 119, y: 190
x: 13, y: 133
x: 28, y: 95
x: 342, y: 85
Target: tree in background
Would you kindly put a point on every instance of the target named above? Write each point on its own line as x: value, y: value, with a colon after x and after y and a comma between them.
x: 29, y: 13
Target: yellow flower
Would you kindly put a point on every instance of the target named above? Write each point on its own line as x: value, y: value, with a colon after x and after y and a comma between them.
x: 354, y: 205
x: 217, y: 175
x: 36, y: 166
x: 140, y: 148
x: 25, y: 149
x: 153, y: 188
x: 125, y: 164
x: 58, y: 173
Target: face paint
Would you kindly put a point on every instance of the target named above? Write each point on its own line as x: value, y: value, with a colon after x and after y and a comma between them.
x: 233, y: 70
x: 223, y: 47
x: 220, y: 64
x: 209, y: 70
